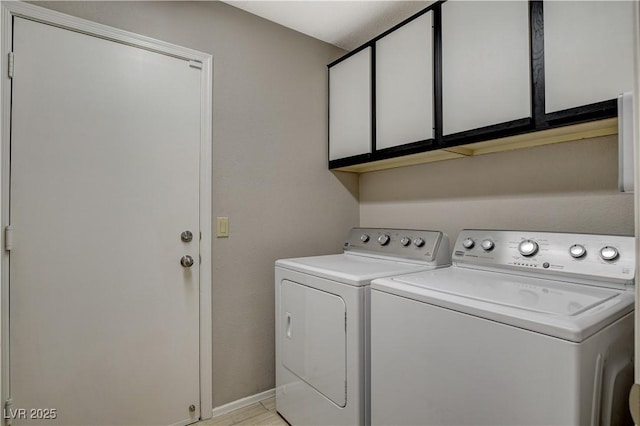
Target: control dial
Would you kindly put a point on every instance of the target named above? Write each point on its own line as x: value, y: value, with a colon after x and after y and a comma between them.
x: 487, y: 245
x: 405, y: 241
x: 468, y: 243
x: 418, y: 242
x: 383, y: 239
x: 364, y: 238
x: 528, y: 247
x: 609, y: 253
x: 577, y: 251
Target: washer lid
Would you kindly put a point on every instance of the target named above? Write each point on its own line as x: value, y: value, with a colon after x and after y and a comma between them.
x: 560, y: 309
x: 353, y: 269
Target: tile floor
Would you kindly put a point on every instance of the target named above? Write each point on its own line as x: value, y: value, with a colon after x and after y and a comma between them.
x: 261, y: 413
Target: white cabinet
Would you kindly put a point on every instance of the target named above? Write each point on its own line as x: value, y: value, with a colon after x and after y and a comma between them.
x: 588, y: 52
x: 350, y: 106
x: 485, y: 64
x: 404, y: 84
x: 464, y: 72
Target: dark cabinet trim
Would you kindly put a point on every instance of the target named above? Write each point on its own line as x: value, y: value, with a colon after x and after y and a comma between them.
x: 437, y: 73
x: 406, y: 149
x: 350, y: 54
x: 350, y: 161
x: 329, y: 119
x: 596, y: 111
x: 539, y: 120
x: 374, y: 132
x: 501, y: 130
x: 536, y: 49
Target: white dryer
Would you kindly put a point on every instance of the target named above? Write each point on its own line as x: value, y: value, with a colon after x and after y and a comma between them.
x: 322, y: 321
x: 526, y: 328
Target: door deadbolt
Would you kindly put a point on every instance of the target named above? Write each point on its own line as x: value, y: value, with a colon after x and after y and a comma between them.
x: 186, y: 236
x: 186, y: 261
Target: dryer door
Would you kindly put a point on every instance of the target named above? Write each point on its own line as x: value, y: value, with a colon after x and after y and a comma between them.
x: 314, y: 338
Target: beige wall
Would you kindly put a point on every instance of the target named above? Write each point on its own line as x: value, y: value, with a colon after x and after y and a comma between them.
x: 269, y: 165
x: 570, y: 187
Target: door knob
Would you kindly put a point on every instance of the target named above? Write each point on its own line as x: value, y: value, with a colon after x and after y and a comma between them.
x: 186, y: 261
x: 186, y: 236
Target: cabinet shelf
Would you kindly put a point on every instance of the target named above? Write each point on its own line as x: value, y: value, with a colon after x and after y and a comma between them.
x: 575, y: 132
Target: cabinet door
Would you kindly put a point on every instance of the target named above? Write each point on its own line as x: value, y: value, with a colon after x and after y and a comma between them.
x: 588, y: 52
x: 485, y: 64
x: 350, y: 106
x: 404, y: 84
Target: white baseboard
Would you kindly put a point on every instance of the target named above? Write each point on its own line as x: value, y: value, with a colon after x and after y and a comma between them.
x: 244, y: 402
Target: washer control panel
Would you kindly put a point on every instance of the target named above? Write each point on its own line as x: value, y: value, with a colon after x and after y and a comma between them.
x: 588, y: 256
x: 410, y: 244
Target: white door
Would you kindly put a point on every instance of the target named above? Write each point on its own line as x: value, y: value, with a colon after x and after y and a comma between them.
x: 104, y: 179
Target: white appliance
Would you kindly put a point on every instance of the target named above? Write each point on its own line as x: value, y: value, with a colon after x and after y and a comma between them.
x: 322, y: 321
x: 526, y: 328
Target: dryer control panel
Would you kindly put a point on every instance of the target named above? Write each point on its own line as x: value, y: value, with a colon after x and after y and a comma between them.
x: 588, y: 257
x: 410, y: 244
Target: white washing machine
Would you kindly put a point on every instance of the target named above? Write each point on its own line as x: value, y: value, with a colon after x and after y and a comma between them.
x: 322, y: 321
x: 525, y: 328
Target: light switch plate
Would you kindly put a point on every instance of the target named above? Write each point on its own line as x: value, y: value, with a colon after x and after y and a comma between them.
x: 222, y: 227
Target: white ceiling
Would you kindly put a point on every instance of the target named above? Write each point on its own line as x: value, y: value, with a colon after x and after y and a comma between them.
x: 343, y: 23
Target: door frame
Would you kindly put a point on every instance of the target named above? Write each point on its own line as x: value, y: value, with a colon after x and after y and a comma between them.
x: 636, y: 180
x: 12, y: 9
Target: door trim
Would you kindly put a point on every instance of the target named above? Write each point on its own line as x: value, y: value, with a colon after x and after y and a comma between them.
x: 12, y: 9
